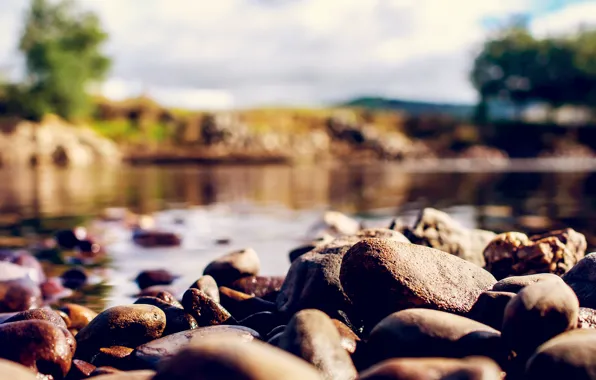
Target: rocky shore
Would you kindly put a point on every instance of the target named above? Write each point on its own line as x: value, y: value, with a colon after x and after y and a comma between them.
x: 432, y: 300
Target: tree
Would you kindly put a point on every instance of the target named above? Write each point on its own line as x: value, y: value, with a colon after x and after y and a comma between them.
x: 62, y: 49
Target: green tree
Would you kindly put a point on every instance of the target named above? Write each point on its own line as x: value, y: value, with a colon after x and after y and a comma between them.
x: 62, y: 49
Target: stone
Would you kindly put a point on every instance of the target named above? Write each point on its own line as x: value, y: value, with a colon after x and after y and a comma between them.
x: 228, y: 358
x: 203, y: 309
x: 150, y: 354
x: 262, y: 322
x: 266, y: 288
x: 241, y: 305
x: 490, y: 307
x: 349, y: 339
x: 116, y: 356
x: 154, y: 239
x: 436, y: 229
x: 476, y: 368
x: 74, y: 278
x: 149, y: 278
x: 586, y: 318
x: 514, y: 284
x: 154, y: 290
x: 233, y: 266
x: 26, y: 261
x: 38, y: 345
x: 538, y: 313
x: 277, y: 330
x: 383, y: 276
x: 427, y: 333
x: 582, y: 279
x: 177, y: 319
x: 19, y: 295
x: 102, y: 371
x: 515, y: 254
x: 130, y: 375
x: 335, y: 224
x: 312, y: 336
x: 128, y: 326
x: 14, y: 371
x: 571, y: 355
x: 80, y: 370
x: 38, y: 314
x: 80, y: 316
x: 52, y: 290
x: 307, y: 247
x: 209, y: 286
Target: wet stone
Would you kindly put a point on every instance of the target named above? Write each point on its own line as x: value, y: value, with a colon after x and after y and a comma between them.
x: 80, y: 370
x: 150, y: 278
x: 515, y: 254
x: 266, y: 288
x: 262, y: 322
x: 80, y: 316
x: 427, y: 333
x: 19, y: 295
x: 229, y: 358
x: 233, y: 266
x: 38, y: 345
x: 538, y: 313
x: 150, y: 354
x: 203, y: 309
x: 311, y: 335
x: 39, y: 314
x: 116, y: 356
x: 382, y: 276
x: 209, y: 286
x: 128, y: 326
x: 349, y: 339
x: 241, y: 305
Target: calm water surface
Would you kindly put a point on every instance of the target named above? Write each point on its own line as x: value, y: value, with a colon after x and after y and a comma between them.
x: 274, y: 208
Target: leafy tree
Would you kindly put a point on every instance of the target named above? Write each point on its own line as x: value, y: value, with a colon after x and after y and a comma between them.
x: 62, y: 49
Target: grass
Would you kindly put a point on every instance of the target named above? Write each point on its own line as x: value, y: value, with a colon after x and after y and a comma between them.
x: 123, y: 131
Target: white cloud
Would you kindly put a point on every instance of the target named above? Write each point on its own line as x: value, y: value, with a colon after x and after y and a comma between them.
x: 566, y: 20
x: 246, y: 52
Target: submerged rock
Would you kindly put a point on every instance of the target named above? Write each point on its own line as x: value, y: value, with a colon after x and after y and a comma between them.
x: 149, y: 278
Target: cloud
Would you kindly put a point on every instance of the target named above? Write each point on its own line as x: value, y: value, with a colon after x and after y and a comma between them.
x: 566, y: 20
x: 223, y: 53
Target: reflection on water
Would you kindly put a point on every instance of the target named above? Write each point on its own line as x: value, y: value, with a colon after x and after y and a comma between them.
x: 271, y: 206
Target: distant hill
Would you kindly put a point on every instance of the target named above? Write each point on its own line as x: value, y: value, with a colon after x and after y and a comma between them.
x: 416, y: 108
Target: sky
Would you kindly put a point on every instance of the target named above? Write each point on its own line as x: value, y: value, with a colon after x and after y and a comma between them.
x: 206, y: 54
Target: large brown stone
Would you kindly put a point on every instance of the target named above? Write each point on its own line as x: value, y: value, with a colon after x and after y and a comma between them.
x: 233, y: 266
x: 429, y: 333
x: 383, y: 276
x: 150, y: 354
x: 515, y: 254
x: 311, y: 335
x: 538, y: 313
x: 436, y: 229
x: 39, y: 345
x: 38, y: 314
x: 203, y: 309
x: 229, y: 358
x: 571, y: 355
x: 582, y: 279
x: 128, y: 326
x: 476, y: 368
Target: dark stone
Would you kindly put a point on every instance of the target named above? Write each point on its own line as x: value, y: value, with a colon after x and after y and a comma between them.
x: 19, y: 295
x: 436, y: 229
x: 262, y: 322
x: 241, y: 305
x: 116, y: 356
x: 38, y: 314
x: 203, y: 309
x: 74, y: 278
x: 224, y: 358
x: 515, y: 254
x: 150, y: 354
x: 427, y: 333
x: 80, y: 370
x: 209, y: 286
x: 233, y: 266
x: 39, y: 345
x: 266, y: 288
x: 516, y: 283
x: 571, y: 355
x: 128, y: 326
x: 538, y: 313
x: 477, y: 368
x: 80, y: 316
x: 490, y: 307
x: 276, y: 330
x: 582, y: 279
x: 383, y: 276
x: 66, y: 239
x: 149, y: 278
x: 312, y: 336
x: 153, y: 239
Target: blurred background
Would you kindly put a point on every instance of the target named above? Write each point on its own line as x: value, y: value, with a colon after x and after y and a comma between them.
x: 241, y: 121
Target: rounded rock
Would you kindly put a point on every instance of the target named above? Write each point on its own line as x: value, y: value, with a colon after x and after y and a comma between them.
x: 241, y: 305
x: 128, y: 326
x: 538, y: 313
x: 209, y: 286
x: 80, y: 316
x: 224, y: 358
x: 490, y: 307
x: 383, y: 276
x: 149, y: 278
x: 266, y: 288
x: 233, y: 266
x: 19, y: 295
x: 203, y: 309
x: 39, y: 314
x: 514, y: 284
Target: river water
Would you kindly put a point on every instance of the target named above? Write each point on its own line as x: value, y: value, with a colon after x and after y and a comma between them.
x: 274, y: 208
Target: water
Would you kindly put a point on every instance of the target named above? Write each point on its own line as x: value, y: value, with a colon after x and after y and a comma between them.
x: 272, y: 208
